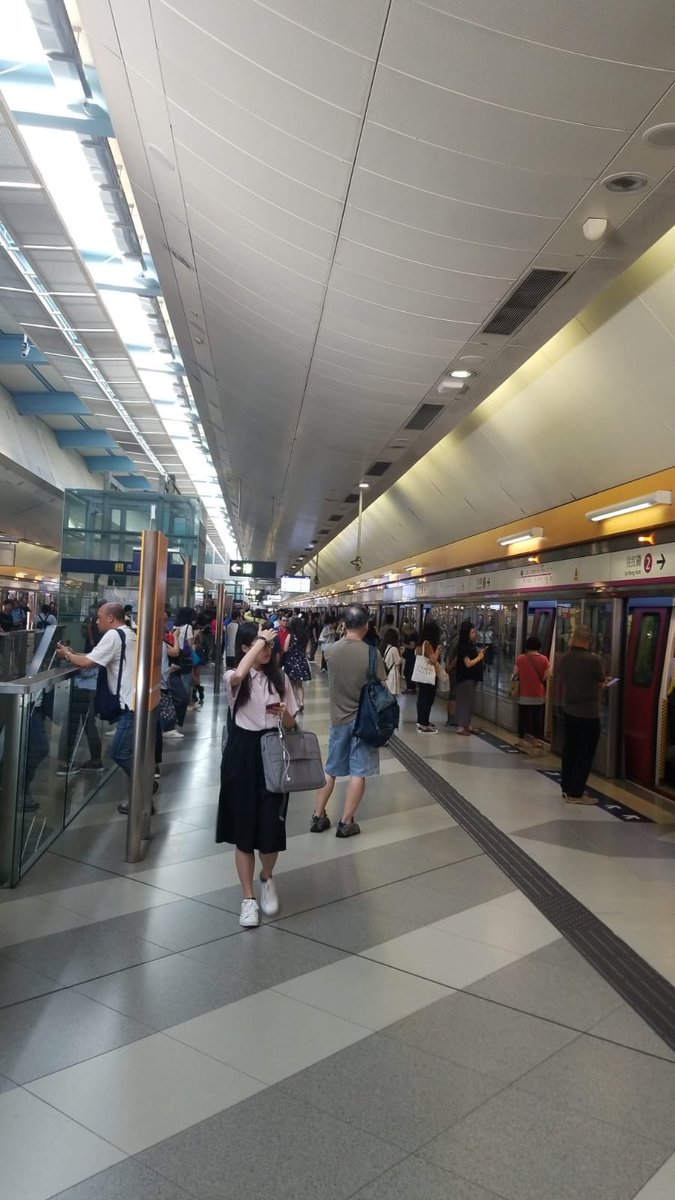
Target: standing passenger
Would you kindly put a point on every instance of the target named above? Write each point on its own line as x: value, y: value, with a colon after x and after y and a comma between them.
x: 347, y: 755
x: 296, y: 665
x: 469, y: 675
x: 532, y: 669
x: 250, y: 817
x: 426, y: 692
x: 391, y: 656
x: 581, y: 676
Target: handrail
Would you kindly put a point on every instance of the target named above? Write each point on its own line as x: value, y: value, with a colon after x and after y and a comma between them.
x: 34, y: 683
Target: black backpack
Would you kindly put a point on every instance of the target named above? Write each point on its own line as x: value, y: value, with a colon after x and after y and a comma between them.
x: 378, y: 713
x: 106, y: 705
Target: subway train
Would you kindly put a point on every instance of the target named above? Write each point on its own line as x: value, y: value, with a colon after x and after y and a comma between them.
x: 626, y: 595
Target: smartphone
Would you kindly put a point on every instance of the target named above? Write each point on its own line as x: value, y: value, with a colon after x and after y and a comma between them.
x: 273, y: 708
x: 612, y: 682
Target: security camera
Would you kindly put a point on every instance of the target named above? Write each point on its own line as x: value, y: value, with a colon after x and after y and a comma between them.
x: 25, y: 347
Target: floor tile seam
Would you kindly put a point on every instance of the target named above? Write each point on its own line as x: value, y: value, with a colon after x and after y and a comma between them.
x: 438, y: 787
x: 132, y: 912
x: 415, y: 1154
x: 654, y: 1141
x: 59, y: 987
x: 435, y: 925
x: 561, y: 1024
x: 579, y: 1033
x: 624, y: 1128
x: 26, y: 1088
x: 26, y: 1083
x: 377, y: 887
x: 138, y: 1158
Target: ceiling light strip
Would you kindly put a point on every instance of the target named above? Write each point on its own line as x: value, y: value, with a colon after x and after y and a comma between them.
x: 38, y: 288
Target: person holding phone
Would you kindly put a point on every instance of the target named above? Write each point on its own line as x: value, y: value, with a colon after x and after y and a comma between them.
x: 249, y: 816
x: 469, y: 675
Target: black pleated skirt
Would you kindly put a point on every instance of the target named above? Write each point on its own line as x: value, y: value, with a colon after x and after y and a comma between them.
x: 249, y: 817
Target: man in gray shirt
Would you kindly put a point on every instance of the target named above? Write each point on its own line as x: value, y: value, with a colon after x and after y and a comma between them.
x: 347, y: 755
x: 582, y: 676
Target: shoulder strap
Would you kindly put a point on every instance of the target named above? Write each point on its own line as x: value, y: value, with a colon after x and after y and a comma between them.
x: 372, y: 662
x: 122, y: 657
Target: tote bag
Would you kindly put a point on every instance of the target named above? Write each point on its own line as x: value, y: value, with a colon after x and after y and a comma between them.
x: 292, y: 761
x: 423, y: 671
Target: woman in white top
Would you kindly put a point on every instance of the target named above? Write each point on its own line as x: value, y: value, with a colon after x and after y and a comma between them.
x: 250, y: 817
x: 392, y: 659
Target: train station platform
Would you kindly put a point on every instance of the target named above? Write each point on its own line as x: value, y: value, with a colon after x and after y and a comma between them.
x: 441, y: 1010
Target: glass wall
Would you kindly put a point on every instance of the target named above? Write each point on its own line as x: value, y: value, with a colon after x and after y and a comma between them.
x: 101, y: 550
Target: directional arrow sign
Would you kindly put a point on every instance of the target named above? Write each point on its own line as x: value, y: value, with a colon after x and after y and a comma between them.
x: 661, y: 561
x: 253, y: 568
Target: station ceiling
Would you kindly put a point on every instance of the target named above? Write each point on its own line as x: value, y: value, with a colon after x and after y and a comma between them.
x: 339, y: 197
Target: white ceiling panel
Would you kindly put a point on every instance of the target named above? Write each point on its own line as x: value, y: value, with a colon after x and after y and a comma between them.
x: 312, y: 63
x: 249, y: 268
x: 258, y: 241
x: 425, y: 278
x: 254, y: 88
x: 524, y: 76
x: 419, y: 209
x: 358, y: 186
x: 466, y: 178
x: 254, y: 137
x: 603, y: 30
x: 489, y: 131
x: 434, y: 248
x: 255, y: 175
x: 351, y: 23
x: 219, y: 200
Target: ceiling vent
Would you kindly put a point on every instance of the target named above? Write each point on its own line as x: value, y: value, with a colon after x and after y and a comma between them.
x: 336, y: 517
x: 351, y: 498
x: 426, y: 413
x: 524, y: 300
x: 378, y: 468
x: 322, y: 531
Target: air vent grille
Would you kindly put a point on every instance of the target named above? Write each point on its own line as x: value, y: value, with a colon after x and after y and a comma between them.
x: 378, y: 468
x: 336, y: 517
x: 322, y: 531
x: 528, y: 296
x: 425, y: 414
x: 351, y: 498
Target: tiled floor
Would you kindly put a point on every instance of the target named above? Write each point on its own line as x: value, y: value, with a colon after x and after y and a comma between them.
x: 410, y: 1026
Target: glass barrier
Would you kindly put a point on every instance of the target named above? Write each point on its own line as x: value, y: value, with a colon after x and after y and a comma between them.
x: 51, y: 762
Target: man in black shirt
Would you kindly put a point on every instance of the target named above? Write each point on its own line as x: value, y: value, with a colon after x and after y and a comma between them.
x: 6, y: 623
x: 582, y: 676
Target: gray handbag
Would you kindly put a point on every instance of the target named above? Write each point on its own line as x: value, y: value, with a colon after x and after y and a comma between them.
x: 292, y: 761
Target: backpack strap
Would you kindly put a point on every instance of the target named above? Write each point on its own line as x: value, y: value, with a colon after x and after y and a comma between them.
x: 122, y: 657
x: 372, y: 662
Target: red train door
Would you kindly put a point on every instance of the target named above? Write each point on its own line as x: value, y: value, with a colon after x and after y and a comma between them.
x: 647, y: 637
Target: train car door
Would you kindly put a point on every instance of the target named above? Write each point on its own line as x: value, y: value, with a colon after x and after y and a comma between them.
x: 540, y: 623
x: 648, y: 628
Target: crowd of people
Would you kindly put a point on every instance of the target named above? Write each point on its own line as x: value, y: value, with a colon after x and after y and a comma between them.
x: 267, y: 659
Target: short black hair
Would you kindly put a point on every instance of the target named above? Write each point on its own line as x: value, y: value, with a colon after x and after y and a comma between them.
x: 356, y: 616
x: 533, y: 643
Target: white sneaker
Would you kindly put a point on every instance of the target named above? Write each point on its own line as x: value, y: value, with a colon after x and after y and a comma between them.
x: 269, y: 901
x: 173, y: 733
x: 249, y: 915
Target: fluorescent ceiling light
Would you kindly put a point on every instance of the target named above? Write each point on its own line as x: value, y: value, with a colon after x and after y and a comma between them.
x: 363, y: 486
x: 461, y: 373
x: 629, y: 506
x: 20, y: 187
x: 511, y: 539
x: 450, y: 385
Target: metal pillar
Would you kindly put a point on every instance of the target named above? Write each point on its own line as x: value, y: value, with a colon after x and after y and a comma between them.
x: 187, y: 580
x: 151, y: 601
x: 218, y: 654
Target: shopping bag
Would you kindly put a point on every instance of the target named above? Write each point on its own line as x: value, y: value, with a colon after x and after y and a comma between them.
x: 423, y: 671
x: 442, y: 681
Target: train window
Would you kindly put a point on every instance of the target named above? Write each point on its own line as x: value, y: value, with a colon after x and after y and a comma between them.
x: 645, y: 655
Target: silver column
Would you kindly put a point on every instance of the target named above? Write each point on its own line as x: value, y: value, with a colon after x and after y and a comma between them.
x: 187, y: 581
x: 218, y: 655
x: 151, y: 601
